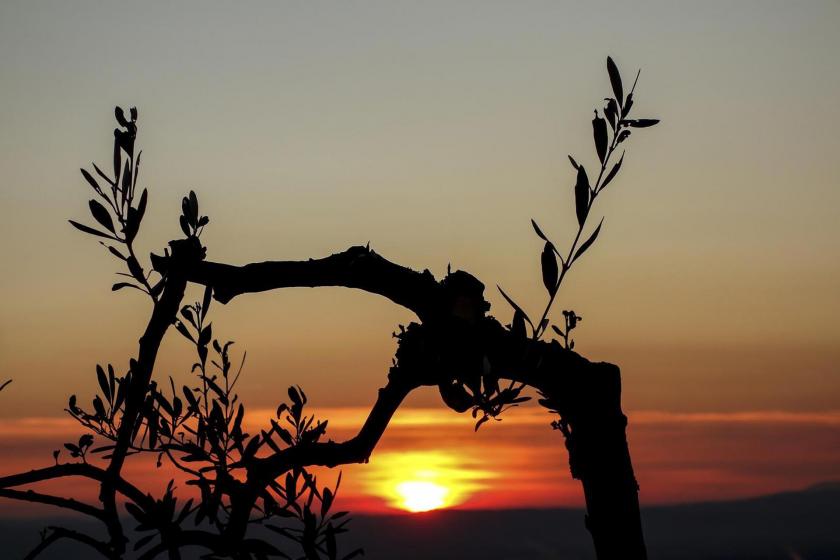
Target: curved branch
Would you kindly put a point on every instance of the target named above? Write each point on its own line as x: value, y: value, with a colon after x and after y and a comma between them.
x: 330, y: 454
x: 357, y: 267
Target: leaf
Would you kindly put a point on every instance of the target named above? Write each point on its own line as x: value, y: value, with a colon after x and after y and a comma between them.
x: 326, y: 502
x: 117, y: 156
x: 581, y: 195
x: 205, y: 303
x: 251, y: 448
x: 121, y: 285
x: 103, y: 382
x: 206, y: 334
x: 549, y: 268
x: 91, y: 231
x: 642, y: 123
x: 102, y: 174
x: 590, y: 241
x: 574, y: 163
x: 295, y: 396
x: 612, y: 173
x: 117, y: 253
x: 623, y: 135
x: 187, y: 313
x: 514, y: 305
x: 91, y: 180
x: 141, y: 206
x: 599, y: 131
x: 615, y: 80
x: 126, y: 182
x: 101, y: 215
x: 537, y: 229
x: 118, y: 112
x: 185, y: 227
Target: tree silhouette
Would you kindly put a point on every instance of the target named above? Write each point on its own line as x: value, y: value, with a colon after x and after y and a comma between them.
x: 245, y: 480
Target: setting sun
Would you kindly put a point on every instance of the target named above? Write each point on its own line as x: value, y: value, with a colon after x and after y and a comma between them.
x: 424, y: 480
x: 419, y: 495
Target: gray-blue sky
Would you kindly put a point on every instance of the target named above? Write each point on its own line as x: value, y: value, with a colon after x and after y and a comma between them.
x: 435, y: 131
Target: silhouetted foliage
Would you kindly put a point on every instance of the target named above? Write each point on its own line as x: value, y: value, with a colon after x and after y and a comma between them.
x: 243, y: 480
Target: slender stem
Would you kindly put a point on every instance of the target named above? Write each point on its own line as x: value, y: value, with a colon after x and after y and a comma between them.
x: 539, y: 327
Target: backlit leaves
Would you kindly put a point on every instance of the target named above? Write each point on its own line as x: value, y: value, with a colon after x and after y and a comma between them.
x: 548, y: 260
x: 615, y: 80
x: 582, y: 192
x: 599, y: 131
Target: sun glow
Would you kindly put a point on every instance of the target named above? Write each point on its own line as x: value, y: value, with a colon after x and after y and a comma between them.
x: 424, y: 480
x: 421, y: 495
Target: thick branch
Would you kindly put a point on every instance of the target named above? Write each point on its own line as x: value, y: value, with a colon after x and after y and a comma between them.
x: 357, y: 267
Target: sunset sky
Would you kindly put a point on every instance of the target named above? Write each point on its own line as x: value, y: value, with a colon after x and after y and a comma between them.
x: 436, y: 131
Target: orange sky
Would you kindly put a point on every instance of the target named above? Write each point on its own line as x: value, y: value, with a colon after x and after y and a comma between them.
x: 520, y: 461
x: 436, y: 132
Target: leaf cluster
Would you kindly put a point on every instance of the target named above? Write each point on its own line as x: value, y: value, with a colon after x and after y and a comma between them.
x: 610, y: 128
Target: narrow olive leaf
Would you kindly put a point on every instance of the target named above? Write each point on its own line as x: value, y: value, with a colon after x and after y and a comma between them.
x: 582, y: 195
x: 101, y: 215
x: 89, y: 178
x: 103, y: 382
x: 193, y: 208
x: 205, y: 303
x: 117, y: 156
x: 185, y: 227
x: 537, y: 229
x: 118, y: 112
x: 116, y: 253
x: 612, y: 172
x: 590, y: 241
x: 515, y: 306
x: 141, y: 206
x: 102, y: 174
x: 615, y: 80
x: 599, y: 131
x: 90, y: 230
x: 549, y: 268
x: 126, y: 181
x: 642, y: 123
x: 574, y: 163
x: 121, y: 285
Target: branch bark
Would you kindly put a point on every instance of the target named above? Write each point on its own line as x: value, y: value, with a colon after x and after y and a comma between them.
x: 357, y: 267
